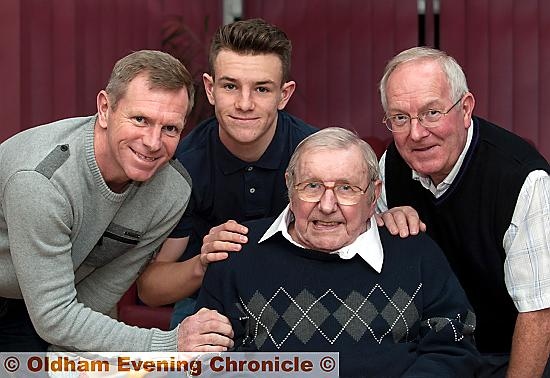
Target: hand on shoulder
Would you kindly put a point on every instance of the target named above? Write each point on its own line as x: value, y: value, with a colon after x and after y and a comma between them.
x: 402, y: 220
x: 221, y: 240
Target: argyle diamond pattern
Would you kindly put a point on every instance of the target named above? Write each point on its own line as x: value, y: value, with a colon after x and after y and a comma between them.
x: 306, y: 314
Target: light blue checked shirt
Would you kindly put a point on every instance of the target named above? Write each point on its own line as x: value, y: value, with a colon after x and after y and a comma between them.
x: 526, y: 242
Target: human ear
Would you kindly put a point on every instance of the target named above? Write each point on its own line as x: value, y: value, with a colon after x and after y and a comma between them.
x: 103, y: 108
x: 208, y: 82
x: 377, y: 190
x: 286, y: 92
x: 468, y: 104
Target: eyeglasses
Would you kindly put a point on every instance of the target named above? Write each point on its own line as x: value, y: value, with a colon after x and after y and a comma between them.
x: 346, y: 194
x: 429, y: 119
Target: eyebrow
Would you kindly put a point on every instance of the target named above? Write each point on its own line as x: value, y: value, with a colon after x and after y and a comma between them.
x: 338, y: 181
x: 429, y: 105
x: 226, y: 78
x: 262, y: 82
x: 265, y: 82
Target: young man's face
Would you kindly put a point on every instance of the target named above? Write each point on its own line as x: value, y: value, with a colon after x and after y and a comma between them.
x: 420, y: 86
x: 247, y: 91
x: 141, y: 135
x: 327, y: 225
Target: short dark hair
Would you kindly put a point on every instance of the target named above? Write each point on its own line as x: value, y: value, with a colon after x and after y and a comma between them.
x: 254, y: 36
x: 163, y: 70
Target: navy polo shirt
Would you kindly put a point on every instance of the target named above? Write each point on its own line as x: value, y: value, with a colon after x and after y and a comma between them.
x: 225, y: 187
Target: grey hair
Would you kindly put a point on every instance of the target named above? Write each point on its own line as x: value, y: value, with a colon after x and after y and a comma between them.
x: 450, y: 67
x: 334, y: 138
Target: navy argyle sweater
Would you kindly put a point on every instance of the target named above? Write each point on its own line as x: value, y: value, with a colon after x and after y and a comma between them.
x: 412, y: 319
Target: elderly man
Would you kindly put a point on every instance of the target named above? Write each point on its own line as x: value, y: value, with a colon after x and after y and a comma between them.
x: 324, y: 277
x: 85, y: 203
x: 483, y: 193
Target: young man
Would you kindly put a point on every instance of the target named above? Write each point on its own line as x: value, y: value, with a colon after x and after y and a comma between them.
x: 236, y: 159
x: 323, y: 277
x: 483, y: 193
x: 85, y: 203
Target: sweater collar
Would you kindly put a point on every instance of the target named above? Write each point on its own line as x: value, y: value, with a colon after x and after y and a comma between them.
x: 100, y: 183
x: 367, y: 245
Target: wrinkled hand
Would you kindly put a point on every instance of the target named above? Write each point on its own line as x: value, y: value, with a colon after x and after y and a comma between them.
x: 206, y: 331
x: 402, y: 220
x: 222, y: 239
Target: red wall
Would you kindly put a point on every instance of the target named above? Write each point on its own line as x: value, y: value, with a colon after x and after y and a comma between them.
x: 340, y: 49
x: 504, y: 47
x: 56, y: 55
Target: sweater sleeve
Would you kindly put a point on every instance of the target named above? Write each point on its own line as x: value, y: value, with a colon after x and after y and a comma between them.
x: 215, y: 289
x: 40, y: 223
x: 445, y: 346
x: 219, y: 292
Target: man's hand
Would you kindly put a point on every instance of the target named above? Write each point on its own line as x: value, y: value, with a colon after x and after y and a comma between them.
x: 222, y: 239
x: 206, y: 331
x: 402, y: 220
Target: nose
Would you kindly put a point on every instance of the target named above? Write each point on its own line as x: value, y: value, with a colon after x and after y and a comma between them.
x: 328, y: 202
x: 152, y: 138
x: 244, y: 101
x: 418, y: 131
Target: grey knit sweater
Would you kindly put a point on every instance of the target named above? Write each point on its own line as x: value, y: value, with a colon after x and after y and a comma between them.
x: 70, y: 246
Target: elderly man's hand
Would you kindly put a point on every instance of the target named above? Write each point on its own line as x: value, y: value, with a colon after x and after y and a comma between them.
x: 206, y: 331
x: 402, y: 220
x: 222, y: 239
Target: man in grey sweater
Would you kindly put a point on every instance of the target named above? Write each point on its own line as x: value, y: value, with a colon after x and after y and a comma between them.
x: 85, y: 202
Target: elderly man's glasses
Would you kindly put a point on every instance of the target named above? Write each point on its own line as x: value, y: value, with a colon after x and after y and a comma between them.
x: 430, y: 118
x: 346, y: 194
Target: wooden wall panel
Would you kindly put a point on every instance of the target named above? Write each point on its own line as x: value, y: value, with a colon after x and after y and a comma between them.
x: 63, y: 54
x: 10, y: 63
x: 57, y: 54
x: 543, y: 103
x: 504, y: 47
x: 340, y: 49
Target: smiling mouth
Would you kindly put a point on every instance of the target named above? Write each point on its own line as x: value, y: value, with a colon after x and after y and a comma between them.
x: 143, y: 157
x: 244, y: 119
x: 323, y: 224
x: 423, y: 149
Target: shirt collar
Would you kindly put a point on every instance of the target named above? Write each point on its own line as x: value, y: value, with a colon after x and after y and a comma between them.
x: 368, y: 245
x: 270, y: 159
x: 438, y: 190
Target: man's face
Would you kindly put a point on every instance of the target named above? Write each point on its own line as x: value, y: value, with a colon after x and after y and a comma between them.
x: 419, y: 86
x: 141, y: 135
x: 247, y: 91
x: 326, y: 225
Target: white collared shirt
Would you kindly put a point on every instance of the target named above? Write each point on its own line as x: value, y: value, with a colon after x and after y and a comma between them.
x: 367, y: 245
